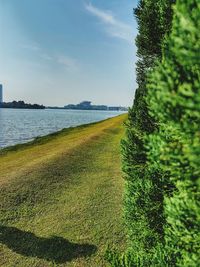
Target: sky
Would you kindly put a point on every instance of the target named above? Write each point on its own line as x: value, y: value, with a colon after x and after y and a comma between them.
x: 56, y: 52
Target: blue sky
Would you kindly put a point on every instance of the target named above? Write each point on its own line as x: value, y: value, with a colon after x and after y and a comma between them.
x: 64, y: 51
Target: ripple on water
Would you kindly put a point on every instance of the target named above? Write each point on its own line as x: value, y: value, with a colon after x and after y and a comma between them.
x: 23, y: 125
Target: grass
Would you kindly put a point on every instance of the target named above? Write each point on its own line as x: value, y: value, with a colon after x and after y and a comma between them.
x: 61, y: 197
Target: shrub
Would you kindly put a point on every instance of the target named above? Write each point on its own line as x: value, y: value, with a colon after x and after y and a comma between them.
x: 144, y: 196
x: 174, y: 102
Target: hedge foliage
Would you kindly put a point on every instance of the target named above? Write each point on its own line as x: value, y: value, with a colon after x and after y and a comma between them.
x: 144, y: 198
x: 161, y: 151
x: 174, y: 101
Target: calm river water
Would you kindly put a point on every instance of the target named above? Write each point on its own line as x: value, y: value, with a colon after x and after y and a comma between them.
x: 22, y: 125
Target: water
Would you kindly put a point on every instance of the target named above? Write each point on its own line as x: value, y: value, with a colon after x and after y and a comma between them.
x: 23, y: 125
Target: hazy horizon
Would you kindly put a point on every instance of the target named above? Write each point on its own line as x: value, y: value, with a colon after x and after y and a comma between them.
x: 61, y: 52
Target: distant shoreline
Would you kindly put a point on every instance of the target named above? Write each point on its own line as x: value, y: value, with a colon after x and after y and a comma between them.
x: 72, y: 109
x: 85, y: 105
x: 21, y: 105
x: 50, y: 108
x: 21, y: 108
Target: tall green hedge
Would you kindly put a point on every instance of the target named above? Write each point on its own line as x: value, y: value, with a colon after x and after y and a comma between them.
x: 162, y: 146
x: 144, y: 197
x: 174, y: 101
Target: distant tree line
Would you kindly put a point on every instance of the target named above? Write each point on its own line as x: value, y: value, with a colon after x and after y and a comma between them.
x: 21, y: 104
x: 161, y: 150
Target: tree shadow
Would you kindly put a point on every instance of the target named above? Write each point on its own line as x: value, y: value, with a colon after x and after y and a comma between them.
x: 55, y: 249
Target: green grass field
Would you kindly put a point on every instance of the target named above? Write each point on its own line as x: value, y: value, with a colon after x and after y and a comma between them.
x: 61, y: 198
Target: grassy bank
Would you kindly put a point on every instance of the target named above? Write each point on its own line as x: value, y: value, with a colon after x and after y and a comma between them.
x: 61, y: 197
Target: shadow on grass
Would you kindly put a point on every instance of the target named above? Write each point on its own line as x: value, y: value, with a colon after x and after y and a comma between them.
x: 55, y: 249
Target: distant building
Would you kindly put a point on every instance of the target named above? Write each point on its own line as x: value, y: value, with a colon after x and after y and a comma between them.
x: 85, y: 104
x: 114, y: 108
x: 1, y: 93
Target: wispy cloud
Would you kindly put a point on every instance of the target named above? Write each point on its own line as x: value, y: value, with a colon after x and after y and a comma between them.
x: 68, y: 62
x: 30, y: 46
x: 113, y: 26
x: 46, y: 57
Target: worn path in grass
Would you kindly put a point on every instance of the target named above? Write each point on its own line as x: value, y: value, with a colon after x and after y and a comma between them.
x: 61, y: 198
